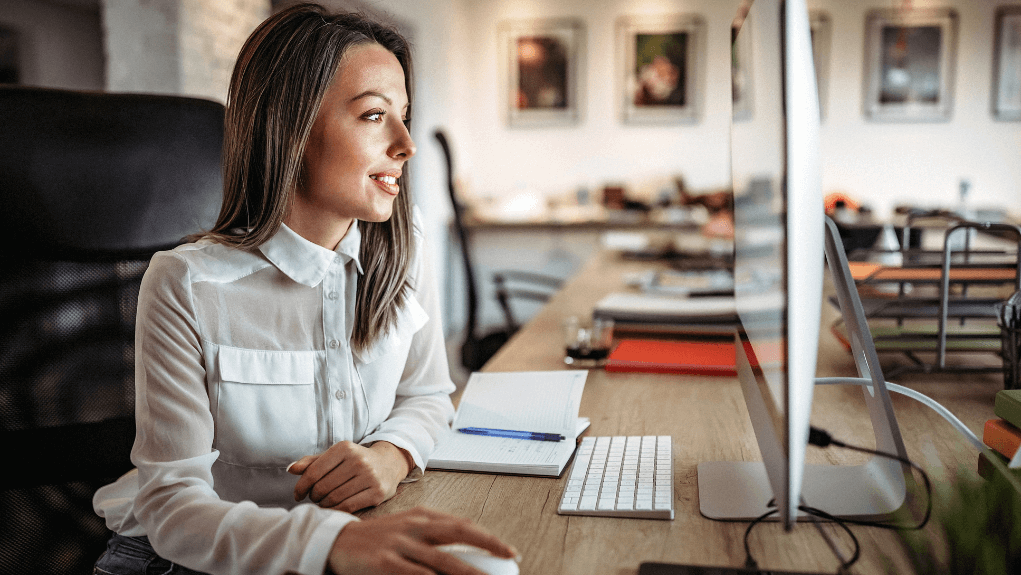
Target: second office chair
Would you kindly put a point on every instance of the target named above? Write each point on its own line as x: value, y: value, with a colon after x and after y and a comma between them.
x: 477, y: 349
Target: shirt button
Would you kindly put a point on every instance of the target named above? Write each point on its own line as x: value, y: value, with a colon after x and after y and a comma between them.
x: 332, y: 295
x: 341, y: 394
x: 334, y: 344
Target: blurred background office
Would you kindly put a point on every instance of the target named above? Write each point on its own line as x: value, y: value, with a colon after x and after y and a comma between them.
x: 594, y: 141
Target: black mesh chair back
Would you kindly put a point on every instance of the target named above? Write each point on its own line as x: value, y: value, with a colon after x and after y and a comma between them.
x: 92, y: 185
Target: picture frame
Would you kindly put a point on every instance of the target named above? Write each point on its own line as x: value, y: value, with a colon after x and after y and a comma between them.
x: 659, y: 68
x: 909, y: 64
x: 821, y: 29
x: 542, y: 67
x: 1007, y: 64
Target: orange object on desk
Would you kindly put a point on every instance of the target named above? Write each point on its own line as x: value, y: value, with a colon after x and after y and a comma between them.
x: 1001, y: 437
x: 684, y: 357
x: 878, y: 273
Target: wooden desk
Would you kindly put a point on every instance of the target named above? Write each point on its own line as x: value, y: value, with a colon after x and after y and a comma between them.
x: 708, y: 421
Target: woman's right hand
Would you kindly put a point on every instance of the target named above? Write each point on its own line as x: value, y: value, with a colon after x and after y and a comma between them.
x: 406, y: 543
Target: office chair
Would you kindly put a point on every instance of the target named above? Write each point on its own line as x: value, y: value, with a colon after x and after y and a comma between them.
x: 509, y: 284
x: 92, y: 185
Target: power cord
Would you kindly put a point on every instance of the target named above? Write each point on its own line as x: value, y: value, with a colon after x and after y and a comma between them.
x: 821, y: 438
x: 749, y: 561
x: 845, y: 564
x: 945, y: 413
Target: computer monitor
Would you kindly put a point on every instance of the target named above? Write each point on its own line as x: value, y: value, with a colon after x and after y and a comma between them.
x: 781, y: 237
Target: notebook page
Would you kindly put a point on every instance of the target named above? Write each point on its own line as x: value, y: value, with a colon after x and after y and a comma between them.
x: 501, y: 450
x: 541, y: 401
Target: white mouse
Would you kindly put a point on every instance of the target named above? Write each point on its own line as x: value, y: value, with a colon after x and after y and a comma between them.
x: 481, y: 559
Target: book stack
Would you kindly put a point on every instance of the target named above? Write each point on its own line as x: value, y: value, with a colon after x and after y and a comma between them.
x: 1003, y: 433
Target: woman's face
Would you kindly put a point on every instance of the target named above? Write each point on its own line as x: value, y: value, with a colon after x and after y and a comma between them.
x: 356, y: 149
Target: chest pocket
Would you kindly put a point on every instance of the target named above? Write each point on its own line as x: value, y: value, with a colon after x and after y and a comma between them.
x: 265, y: 411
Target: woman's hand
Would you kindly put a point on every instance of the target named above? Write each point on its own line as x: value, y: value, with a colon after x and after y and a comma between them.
x: 348, y: 477
x: 405, y: 543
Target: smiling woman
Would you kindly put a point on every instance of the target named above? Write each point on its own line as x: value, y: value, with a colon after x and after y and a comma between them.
x: 294, y: 351
x: 356, y: 150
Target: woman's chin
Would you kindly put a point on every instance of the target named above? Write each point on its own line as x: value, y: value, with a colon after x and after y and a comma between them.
x: 378, y: 216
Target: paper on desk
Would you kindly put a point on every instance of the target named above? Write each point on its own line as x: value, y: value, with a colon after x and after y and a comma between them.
x: 540, y: 401
x: 544, y: 401
x: 504, y: 451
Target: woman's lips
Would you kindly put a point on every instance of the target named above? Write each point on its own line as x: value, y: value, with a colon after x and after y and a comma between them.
x: 387, y: 182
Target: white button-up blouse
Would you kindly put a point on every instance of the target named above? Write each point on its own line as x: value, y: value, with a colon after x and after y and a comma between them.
x: 243, y: 365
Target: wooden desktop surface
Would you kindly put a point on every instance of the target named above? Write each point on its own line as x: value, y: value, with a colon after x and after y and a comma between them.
x: 708, y: 421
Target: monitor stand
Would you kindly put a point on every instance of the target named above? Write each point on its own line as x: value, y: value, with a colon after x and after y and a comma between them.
x: 876, y: 490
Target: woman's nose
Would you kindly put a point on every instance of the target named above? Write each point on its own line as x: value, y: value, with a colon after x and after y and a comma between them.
x: 403, y: 146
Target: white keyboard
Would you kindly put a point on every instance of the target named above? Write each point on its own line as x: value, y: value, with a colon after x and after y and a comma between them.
x: 621, y: 477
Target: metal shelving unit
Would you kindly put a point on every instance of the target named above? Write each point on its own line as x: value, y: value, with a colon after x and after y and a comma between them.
x: 942, y: 302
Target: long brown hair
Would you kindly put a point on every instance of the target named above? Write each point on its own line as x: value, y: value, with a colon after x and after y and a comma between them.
x: 276, y: 90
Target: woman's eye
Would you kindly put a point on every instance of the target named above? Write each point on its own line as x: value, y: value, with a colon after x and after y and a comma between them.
x: 374, y: 116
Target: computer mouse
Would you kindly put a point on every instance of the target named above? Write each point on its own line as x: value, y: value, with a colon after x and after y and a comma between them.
x: 481, y: 559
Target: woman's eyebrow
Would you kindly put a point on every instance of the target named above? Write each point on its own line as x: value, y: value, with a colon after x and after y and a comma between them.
x: 369, y: 93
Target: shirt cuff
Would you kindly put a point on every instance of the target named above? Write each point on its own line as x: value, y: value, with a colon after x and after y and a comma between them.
x: 317, y: 550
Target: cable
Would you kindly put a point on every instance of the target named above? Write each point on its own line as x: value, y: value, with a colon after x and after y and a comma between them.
x: 1011, y: 478
x: 749, y: 562
x: 942, y: 411
x: 845, y: 564
x: 820, y: 438
x: 928, y: 401
x: 938, y: 408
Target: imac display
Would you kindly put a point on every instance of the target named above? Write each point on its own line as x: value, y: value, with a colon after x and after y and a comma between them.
x: 780, y: 241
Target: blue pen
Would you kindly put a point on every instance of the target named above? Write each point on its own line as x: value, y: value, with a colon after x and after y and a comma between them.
x: 533, y: 435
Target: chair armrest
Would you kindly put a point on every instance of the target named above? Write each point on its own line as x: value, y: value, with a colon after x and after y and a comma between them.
x: 515, y: 275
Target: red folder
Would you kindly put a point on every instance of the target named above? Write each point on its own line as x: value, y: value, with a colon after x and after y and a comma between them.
x: 686, y: 357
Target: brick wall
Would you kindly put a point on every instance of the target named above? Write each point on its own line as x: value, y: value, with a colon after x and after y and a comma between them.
x: 211, y: 35
x: 177, y: 46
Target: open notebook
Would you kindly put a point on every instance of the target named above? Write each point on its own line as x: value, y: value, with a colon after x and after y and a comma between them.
x: 539, y: 401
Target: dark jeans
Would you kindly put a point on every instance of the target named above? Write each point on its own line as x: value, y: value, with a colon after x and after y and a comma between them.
x: 134, y: 556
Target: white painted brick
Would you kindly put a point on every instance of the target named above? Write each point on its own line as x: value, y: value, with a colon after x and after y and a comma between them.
x: 177, y: 46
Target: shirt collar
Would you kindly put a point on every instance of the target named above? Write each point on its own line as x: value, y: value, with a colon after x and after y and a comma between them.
x: 306, y: 262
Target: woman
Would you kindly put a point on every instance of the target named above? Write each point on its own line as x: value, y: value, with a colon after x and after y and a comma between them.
x: 294, y: 351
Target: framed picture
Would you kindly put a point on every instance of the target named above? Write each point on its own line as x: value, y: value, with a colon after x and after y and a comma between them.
x: 741, y: 68
x: 909, y: 64
x: 1007, y: 64
x: 821, y: 30
x: 659, y: 66
x: 542, y: 60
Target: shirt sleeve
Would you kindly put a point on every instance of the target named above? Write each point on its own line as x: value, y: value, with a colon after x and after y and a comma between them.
x: 422, y: 408
x: 184, y: 518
